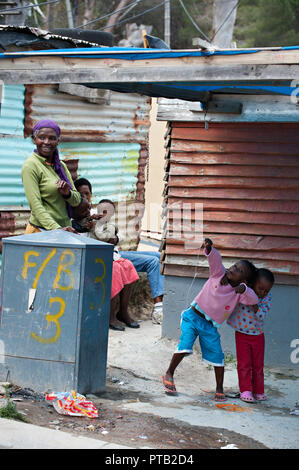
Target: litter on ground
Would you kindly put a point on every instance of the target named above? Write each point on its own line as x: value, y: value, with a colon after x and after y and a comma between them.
x: 72, y: 404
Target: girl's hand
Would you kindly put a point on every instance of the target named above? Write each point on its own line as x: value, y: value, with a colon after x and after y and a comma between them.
x: 240, y: 289
x: 63, y: 188
x: 69, y: 229
x: 208, y: 245
x: 96, y: 217
x: 89, y: 224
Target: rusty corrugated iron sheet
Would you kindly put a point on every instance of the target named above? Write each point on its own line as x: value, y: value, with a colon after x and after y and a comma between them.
x: 246, y: 176
x: 111, y: 148
x: 12, y: 222
x: 124, y: 119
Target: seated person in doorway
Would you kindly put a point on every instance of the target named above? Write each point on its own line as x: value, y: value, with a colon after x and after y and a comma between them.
x: 123, y: 272
x: 143, y: 261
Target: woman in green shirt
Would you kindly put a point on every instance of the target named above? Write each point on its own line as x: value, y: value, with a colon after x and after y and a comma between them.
x: 48, y: 184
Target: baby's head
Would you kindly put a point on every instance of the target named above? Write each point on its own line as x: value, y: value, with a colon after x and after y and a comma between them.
x: 263, y: 282
x: 241, y: 271
x: 82, y: 210
x: 105, y: 209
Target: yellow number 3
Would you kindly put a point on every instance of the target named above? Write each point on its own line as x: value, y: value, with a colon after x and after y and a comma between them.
x: 52, y: 318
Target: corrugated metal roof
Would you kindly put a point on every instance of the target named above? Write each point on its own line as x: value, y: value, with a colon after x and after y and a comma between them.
x: 246, y: 177
x: 124, y: 119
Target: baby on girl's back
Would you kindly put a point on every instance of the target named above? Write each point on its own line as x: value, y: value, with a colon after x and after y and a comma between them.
x: 248, y: 323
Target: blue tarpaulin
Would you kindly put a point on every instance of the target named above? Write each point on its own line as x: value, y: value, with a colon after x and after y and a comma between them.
x: 136, y: 53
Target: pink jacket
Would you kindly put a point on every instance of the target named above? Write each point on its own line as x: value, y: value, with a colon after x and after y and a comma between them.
x: 218, y: 301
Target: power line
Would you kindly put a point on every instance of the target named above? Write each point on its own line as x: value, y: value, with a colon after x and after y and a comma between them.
x: 232, y: 10
x: 109, y: 14
x: 192, y: 20
x: 6, y: 12
x: 132, y: 17
x: 129, y: 9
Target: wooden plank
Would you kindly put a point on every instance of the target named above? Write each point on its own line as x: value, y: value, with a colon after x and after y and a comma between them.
x: 262, y: 56
x: 241, y: 254
x: 222, y: 107
x: 271, y: 218
x: 50, y: 69
x: 276, y: 266
x: 232, y: 182
x: 257, y: 133
x: 248, y: 242
x: 242, y: 126
x: 203, y: 158
x: 256, y: 108
x: 248, y: 206
x: 234, y: 147
x: 245, y: 194
x: 188, y: 228
x: 203, y: 273
x: 178, y: 169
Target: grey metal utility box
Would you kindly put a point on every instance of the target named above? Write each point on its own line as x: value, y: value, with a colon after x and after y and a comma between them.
x: 55, y: 311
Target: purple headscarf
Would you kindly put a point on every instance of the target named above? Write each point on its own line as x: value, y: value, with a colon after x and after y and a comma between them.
x: 56, y: 161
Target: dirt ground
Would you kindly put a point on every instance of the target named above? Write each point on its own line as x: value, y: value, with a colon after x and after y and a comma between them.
x: 118, y: 425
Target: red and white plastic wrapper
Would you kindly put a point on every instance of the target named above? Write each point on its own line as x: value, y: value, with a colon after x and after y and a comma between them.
x: 72, y: 404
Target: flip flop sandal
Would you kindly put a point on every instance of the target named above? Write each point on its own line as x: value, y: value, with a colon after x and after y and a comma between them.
x: 260, y: 396
x: 220, y: 397
x: 233, y: 394
x: 171, y: 383
x: 247, y: 396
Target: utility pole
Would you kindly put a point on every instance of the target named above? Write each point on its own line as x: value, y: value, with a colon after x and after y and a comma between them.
x: 69, y: 13
x: 223, y: 22
x: 167, y: 22
x: 14, y: 17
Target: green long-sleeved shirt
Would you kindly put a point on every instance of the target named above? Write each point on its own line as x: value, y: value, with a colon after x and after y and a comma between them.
x: 48, y: 206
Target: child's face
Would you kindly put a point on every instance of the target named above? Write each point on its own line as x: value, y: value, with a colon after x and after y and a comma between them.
x: 237, y: 273
x: 262, y: 287
x: 105, y: 209
x: 85, y: 192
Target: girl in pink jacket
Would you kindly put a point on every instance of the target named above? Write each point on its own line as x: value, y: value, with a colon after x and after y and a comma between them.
x: 211, y: 307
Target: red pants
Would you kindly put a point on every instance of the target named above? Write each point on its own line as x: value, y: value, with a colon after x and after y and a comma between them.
x: 250, y: 362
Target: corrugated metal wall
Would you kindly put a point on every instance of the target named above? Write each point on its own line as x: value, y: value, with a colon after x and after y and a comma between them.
x: 246, y: 175
x: 124, y: 119
x: 14, y: 149
x: 106, y: 143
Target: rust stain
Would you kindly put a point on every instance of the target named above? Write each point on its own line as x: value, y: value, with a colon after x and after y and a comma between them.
x: 28, y: 122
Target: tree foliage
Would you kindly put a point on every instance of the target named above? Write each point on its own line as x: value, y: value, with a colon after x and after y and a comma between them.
x: 259, y: 22
x: 263, y: 23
